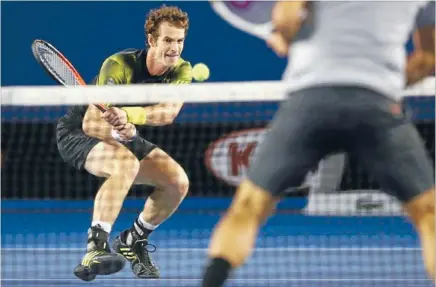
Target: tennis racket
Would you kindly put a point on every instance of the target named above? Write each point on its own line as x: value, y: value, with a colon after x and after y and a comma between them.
x: 252, y: 17
x: 58, y: 66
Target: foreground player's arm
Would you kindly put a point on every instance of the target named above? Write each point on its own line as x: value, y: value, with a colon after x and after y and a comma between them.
x: 163, y: 113
x: 287, y: 18
x: 111, y: 73
x: 421, y: 63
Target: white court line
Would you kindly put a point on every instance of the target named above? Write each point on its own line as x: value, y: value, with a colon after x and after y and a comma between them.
x: 266, y: 249
x: 240, y: 280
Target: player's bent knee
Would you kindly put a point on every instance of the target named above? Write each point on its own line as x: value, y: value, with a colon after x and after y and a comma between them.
x: 420, y: 207
x: 183, y: 184
x: 180, y: 183
x: 128, y: 165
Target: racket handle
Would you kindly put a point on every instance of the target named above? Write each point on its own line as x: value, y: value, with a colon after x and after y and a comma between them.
x: 101, y: 107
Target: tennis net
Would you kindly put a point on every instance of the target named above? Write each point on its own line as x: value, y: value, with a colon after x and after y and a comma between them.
x: 349, y: 235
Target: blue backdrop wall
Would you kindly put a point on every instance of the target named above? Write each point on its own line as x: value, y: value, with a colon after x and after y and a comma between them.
x: 88, y: 32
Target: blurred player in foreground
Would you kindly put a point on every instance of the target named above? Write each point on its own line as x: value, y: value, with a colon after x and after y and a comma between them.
x: 345, y: 78
x: 254, y: 18
x: 107, y: 145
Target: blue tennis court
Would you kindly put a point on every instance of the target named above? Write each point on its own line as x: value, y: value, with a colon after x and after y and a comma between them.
x: 41, y: 248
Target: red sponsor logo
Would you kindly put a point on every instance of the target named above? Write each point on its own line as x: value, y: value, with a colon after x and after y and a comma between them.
x: 239, y: 156
x: 228, y: 158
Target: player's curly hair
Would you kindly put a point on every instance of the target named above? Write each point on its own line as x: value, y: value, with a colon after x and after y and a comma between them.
x: 171, y: 14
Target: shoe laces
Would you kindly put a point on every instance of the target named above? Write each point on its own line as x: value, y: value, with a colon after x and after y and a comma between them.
x: 142, y: 247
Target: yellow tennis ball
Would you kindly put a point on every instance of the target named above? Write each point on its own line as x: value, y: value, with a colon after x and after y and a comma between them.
x: 200, y: 72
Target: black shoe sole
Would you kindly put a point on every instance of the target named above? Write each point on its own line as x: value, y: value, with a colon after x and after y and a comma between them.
x: 107, y: 266
x: 148, y: 276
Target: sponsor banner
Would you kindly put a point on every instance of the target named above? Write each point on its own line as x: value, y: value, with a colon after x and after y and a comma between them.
x: 338, y: 187
x: 353, y: 203
x: 229, y: 157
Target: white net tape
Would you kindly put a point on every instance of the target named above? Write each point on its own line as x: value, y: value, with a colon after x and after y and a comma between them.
x: 194, y: 93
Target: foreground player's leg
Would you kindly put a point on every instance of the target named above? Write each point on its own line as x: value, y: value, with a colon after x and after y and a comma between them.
x: 171, y: 182
x: 296, y: 142
x: 412, y: 178
x: 120, y: 167
x: 234, y: 237
x: 421, y: 210
x: 395, y: 153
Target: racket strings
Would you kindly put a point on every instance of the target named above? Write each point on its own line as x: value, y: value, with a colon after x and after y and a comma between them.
x: 57, y: 66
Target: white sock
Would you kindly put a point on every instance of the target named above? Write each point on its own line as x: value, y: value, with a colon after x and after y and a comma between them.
x: 145, y: 224
x: 107, y: 227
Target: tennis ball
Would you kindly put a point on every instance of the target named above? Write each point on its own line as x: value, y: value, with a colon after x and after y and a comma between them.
x: 200, y: 72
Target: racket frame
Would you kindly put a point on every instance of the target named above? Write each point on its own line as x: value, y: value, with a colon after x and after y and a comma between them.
x: 76, y: 74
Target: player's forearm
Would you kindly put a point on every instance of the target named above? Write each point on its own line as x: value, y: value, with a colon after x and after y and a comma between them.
x: 157, y: 115
x: 94, y: 126
x: 421, y: 63
x: 419, y: 66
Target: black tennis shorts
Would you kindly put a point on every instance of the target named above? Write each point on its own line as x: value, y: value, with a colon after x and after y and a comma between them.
x: 315, y: 122
x: 74, y: 146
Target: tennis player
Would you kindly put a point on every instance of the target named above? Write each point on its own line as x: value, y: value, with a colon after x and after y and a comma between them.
x: 108, y: 145
x: 254, y: 18
x: 345, y: 76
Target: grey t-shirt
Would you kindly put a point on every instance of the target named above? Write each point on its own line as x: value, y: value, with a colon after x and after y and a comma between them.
x: 357, y: 43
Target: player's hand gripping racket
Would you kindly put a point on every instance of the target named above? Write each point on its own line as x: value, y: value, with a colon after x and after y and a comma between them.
x: 58, y: 67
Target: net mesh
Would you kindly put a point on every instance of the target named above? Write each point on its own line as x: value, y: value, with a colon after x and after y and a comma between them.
x: 352, y: 236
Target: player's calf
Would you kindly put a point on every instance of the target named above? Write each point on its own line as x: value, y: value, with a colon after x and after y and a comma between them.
x: 166, y: 198
x: 234, y: 237
x: 249, y: 210
x: 421, y: 210
x: 171, y: 182
x: 172, y: 185
x: 120, y: 167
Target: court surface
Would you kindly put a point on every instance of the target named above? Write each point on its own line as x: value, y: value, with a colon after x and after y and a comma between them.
x: 41, y: 248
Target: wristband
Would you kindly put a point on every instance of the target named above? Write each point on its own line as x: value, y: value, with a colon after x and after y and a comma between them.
x: 117, y: 137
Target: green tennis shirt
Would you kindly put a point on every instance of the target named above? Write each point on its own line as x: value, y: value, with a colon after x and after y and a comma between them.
x: 128, y: 67
x: 125, y: 68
